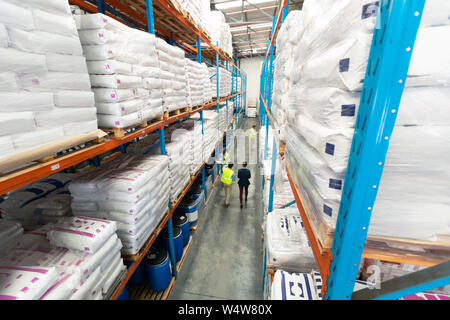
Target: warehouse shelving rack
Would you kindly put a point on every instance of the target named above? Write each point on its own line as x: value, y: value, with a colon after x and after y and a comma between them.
x: 178, y: 29
x: 389, y: 60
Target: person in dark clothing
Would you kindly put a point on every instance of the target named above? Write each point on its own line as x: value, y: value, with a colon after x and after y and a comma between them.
x: 244, y: 176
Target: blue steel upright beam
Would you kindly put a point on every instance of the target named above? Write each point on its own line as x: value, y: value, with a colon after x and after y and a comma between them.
x: 100, y: 6
x: 150, y: 20
x: 162, y: 145
x: 390, y: 55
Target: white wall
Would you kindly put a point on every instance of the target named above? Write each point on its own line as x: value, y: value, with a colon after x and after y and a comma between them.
x: 252, y: 66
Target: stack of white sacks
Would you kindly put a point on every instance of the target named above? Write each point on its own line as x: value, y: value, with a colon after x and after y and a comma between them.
x: 286, y: 44
x: 131, y: 190
x: 192, y: 129
x: 194, y: 83
x: 10, y: 232
x: 208, y: 88
x: 220, y: 32
x: 39, y: 203
x: 44, y: 84
x: 224, y: 81
x: 172, y: 69
x: 78, y: 258
x: 177, y: 149
x: 237, y: 82
x: 210, y: 131
x: 122, y: 64
x: 286, y: 241
x: 222, y: 118
x: 330, y: 61
x: 199, y: 10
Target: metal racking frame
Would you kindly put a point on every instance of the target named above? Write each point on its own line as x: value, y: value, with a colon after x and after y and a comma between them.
x: 124, y: 14
x: 392, y: 46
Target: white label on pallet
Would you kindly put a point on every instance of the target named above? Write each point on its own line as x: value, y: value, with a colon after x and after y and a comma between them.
x: 55, y: 167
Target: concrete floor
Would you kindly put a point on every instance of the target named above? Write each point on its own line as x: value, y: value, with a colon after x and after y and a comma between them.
x: 225, y: 261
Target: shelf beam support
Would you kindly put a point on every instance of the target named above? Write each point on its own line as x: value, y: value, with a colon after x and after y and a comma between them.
x: 393, y: 40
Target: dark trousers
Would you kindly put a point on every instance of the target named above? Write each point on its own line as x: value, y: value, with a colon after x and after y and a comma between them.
x: 241, y: 189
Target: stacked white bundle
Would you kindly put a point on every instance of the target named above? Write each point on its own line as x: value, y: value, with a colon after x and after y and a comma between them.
x: 208, y: 89
x: 44, y: 85
x: 198, y: 10
x: 122, y: 64
x: 262, y: 143
x: 224, y: 81
x: 220, y: 32
x: 194, y: 83
x: 237, y: 81
x: 10, y: 232
x: 132, y: 191
x: 210, y: 132
x: 287, y: 244
x: 222, y: 118
x: 330, y: 63
x: 192, y: 129
x: 179, y: 79
x: 177, y: 149
x: 78, y: 275
x: 286, y: 44
x: 39, y: 203
x: 172, y: 68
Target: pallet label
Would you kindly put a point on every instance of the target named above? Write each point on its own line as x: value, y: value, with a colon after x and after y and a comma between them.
x: 55, y: 167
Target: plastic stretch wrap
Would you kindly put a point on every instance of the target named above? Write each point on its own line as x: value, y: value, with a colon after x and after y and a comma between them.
x: 53, y: 81
x: 32, y: 42
x: 22, y: 62
x: 13, y: 14
x: 65, y: 63
x: 56, y: 6
x: 435, y: 13
x: 81, y: 233
x: 76, y: 128
x: 28, y: 140
x: 430, y: 54
x: 287, y: 242
x: 54, y: 22
x: 73, y: 98
x: 58, y: 117
x: 16, y: 122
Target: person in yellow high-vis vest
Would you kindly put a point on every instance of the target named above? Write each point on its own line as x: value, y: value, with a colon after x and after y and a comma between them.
x: 227, y: 179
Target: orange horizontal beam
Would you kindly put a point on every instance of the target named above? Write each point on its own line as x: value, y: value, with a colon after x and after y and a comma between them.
x: 323, y: 259
x: 23, y: 177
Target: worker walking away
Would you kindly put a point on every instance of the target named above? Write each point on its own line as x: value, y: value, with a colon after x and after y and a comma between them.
x: 244, y: 176
x: 227, y: 179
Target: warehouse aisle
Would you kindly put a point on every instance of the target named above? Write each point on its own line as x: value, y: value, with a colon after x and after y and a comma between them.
x: 225, y: 260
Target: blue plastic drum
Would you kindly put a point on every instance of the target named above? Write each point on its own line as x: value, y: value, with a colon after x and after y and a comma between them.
x: 139, y: 275
x: 177, y: 241
x: 180, y: 220
x: 123, y: 295
x: 158, y: 269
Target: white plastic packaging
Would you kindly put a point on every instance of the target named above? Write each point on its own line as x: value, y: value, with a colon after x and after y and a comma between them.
x: 109, y: 67
x: 66, y: 63
x: 29, y: 283
x: 81, y: 233
x: 116, y: 81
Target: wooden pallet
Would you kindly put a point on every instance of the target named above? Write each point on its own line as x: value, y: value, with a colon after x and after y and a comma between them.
x: 49, y: 151
x: 169, y: 114
x: 120, y: 133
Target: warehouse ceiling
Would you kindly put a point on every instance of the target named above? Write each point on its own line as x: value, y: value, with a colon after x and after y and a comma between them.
x: 251, y: 23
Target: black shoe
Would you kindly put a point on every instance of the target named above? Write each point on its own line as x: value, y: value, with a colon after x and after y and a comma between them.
x: 241, y: 206
x: 246, y: 200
